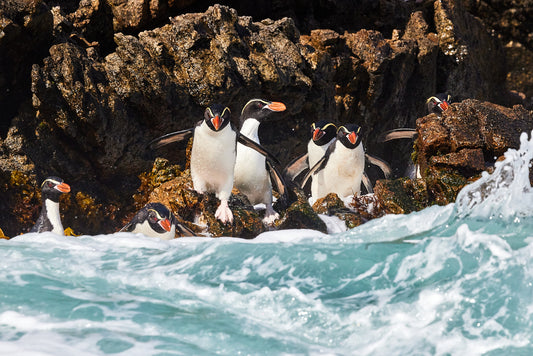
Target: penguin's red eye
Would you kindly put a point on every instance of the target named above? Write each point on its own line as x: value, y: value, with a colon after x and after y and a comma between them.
x: 50, y: 185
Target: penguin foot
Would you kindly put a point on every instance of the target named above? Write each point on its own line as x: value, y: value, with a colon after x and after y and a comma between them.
x: 224, y: 213
x: 270, y: 216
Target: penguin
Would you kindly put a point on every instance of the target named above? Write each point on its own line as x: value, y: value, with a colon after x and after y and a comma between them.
x: 155, y: 220
x: 50, y: 219
x: 341, y: 168
x: 252, y: 173
x: 213, y: 155
x: 323, y: 134
x: 438, y: 104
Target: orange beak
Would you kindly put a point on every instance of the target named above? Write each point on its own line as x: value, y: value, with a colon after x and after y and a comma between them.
x: 216, y: 122
x: 165, y: 224
x: 317, y: 134
x: 63, y: 188
x: 277, y: 106
x: 352, y: 137
x: 444, y: 106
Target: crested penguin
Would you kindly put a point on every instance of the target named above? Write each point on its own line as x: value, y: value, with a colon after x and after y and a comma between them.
x: 213, y: 155
x: 438, y: 104
x: 341, y: 168
x: 252, y: 173
x: 323, y: 134
x: 50, y: 218
x: 155, y: 220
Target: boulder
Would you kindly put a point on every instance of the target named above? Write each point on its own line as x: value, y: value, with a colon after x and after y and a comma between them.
x: 470, y: 136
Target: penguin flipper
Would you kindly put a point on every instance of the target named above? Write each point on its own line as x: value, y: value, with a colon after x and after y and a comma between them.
x: 184, y: 230
x: 278, y: 182
x: 367, y: 183
x: 254, y: 145
x: 384, y: 166
x: 177, y: 136
x: 127, y: 227
x: 315, y: 169
x: 296, y: 167
x: 397, y: 134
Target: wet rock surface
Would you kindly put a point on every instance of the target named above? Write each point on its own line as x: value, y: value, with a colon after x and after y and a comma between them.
x: 84, y: 86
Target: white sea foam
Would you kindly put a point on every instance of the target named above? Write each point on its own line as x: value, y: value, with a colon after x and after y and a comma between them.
x: 506, y: 193
x: 464, y: 287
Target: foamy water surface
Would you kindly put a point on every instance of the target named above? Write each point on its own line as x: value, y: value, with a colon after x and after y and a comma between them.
x: 452, y: 280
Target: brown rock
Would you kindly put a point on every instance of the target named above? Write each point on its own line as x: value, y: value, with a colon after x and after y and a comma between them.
x: 469, y: 134
x: 472, y: 54
x: 469, y: 161
x: 402, y: 196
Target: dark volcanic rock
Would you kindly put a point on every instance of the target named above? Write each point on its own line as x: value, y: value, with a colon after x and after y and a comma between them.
x: 82, y: 91
x: 470, y: 136
x: 25, y: 34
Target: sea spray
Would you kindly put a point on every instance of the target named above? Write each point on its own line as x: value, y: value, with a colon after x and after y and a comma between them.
x: 506, y: 193
x: 452, y: 280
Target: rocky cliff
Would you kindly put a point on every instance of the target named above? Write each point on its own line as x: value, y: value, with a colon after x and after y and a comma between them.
x: 84, y: 86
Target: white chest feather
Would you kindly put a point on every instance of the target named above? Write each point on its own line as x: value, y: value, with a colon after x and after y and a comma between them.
x: 145, y: 229
x: 213, y: 159
x: 315, y: 152
x: 52, y: 212
x: 342, y: 174
x: 251, y: 176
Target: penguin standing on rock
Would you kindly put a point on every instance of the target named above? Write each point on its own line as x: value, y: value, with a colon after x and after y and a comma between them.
x: 253, y: 174
x: 50, y: 218
x: 213, y: 155
x: 155, y: 220
x: 341, y: 168
x: 323, y: 134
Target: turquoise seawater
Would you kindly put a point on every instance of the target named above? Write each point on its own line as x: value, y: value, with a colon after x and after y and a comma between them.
x: 452, y: 280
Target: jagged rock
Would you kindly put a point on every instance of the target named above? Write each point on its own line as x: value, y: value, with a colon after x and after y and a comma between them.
x: 519, y: 76
x: 469, y: 136
x: 452, y: 149
x: 471, y: 55
x: 402, y: 196
x: 25, y: 34
x: 98, y: 97
x: 300, y: 215
x: 332, y: 205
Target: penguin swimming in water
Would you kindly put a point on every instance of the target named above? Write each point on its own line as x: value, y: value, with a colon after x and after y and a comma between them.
x: 323, y: 134
x: 253, y: 175
x: 341, y: 168
x: 155, y: 220
x: 213, y: 155
x: 50, y: 218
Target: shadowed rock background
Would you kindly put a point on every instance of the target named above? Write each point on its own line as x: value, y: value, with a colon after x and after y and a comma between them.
x: 85, y: 85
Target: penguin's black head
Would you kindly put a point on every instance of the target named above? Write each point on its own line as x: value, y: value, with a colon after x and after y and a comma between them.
x: 53, y: 187
x: 217, y: 117
x: 322, y: 132
x: 259, y: 109
x: 159, y: 217
x: 438, y: 104
x: 349, y: 135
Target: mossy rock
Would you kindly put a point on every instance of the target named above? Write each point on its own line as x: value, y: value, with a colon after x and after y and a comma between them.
x: 402, y: 196
x: 329, y: 204
x: 300, y: 215
x: 443, y: 185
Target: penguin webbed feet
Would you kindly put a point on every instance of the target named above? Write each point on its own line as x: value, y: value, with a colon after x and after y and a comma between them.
x: 223, y: 213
